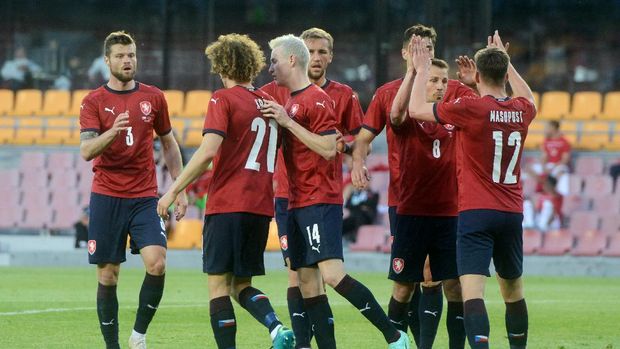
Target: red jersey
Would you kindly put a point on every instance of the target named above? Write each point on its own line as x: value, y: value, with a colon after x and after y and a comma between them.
x: 555, y: 148
x: 428, y: 185
x: 348, y: 118
x: 126, y: 169
x: 244, y: 165
x: 312, y: 179
x: 377, y: 117
x: 491, y: 133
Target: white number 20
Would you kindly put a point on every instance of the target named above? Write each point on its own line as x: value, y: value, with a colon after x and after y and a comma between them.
x: 514, y: 140
x: 259, y: 126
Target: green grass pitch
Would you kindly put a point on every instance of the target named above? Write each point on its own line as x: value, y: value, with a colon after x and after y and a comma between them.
x: 55, y: 308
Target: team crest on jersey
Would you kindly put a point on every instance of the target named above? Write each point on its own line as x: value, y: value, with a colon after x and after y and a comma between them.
x: 398, y: 264
x: 145, y: 107
x: 284, y: 242
x: 448, y: 127
x: 92, y: 246
x: 294, y: 109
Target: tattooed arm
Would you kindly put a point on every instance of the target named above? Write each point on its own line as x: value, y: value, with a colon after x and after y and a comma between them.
x: 92, y: 144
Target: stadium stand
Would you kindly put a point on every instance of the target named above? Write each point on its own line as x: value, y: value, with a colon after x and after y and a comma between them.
x: 196, y: 103
x: 55, y: 103
x: 556, y: 243
x: 594, y: 135
x: 27, y: 102
x: 370, y: 238
x: 532, y: 241
x: 613, y: 249
x: 187, y: 235
x: 554, y: 105
x: 76, y: 102
x: 175, y: 100
x: 586, y: 106
x: 592, y: 243
x: 583, y: 221
x: 6, y: 101
x: 611, y: 107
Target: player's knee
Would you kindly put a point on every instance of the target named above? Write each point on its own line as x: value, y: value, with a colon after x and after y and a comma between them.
x: 157, y: 267
x: 332, y: 279
x: 108, y: 277
x: 402, y: 292
x: 452, y: 290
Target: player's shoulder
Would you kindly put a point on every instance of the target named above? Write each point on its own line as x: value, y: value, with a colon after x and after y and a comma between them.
x: 337, y: 86
x: 95, y: 94
x: 149, y: 89
x: 453, y: 83
x: 390, y: 86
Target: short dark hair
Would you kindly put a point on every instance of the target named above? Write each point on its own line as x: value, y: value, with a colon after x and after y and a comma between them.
x: 555, y: 124
x: 440, y: 63
x: 420, y: 30
x: 118, y: 37
x: 492, y: 64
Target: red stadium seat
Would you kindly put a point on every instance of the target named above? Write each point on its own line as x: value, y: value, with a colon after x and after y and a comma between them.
x: 370, y: 238
x: 37, y: 217
x: 583, y: 221
x: 33, y: 179
x: 556, y: 243
x: 532, y: 241
x: 606, y: 204
x: 575, y: 184
x: 574, y: 202
x: 62, y: 159
x: 598, y: 185
x: 379, y: 181
x: 9, y: 179
x: 592, y: 243
x: 10, y: 197
x: 10, y: 216
x: 589, y: 165
x: 64, y: 196
x: 610, y: 224
x: 613, y: 249
x: 33, y: 160
x: 63, y: 179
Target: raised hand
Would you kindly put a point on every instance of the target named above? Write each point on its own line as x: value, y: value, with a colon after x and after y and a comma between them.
x: 467, y: 70
x: 421, y: 57
x: 496, y: 41
x: 121, y: 122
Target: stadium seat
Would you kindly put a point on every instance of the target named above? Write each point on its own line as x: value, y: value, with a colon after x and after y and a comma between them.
x: 193, y: 136
x: 10, y: 196
x: 196, y: 103
x: 379, y: 181
x: 376, y: 160
x: 62, y: 159
x: 610, y: 224
x: 63, y: 179
x: 11, y: 216
x: 65, y: 216
x: 589, y: 165
x: 535, y: 135
x: 33, y: 160
x: 55, y: 103
x: 606, y: 204
x: 574, y: 202
x: 569, y: 130
x: 27, y: 102
x: 592, y: 243
x: 370, y: 238
x: 9, y: 178
x: 614, y: 143
x: 178, y: 125
x: 554, y: 105
x: 7, y: 99
x: 175, y: 99
x: 187, y: 235
x: 575, y: 183
x: 582, y: 221
x: 29, y: 131
x: 273, y: 241
x: 57, y: 131
x: 7, y: 129
x: 532, y: 241
x: 556, y: 243
x: 611, y: 107
x: 586, y: 105
x: 76, y: 102
x: 37, y: 217
x: 613, y: 249
x: 594, y: 135
x: 597, y: 185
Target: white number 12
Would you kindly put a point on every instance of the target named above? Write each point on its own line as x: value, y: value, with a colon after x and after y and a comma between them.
x: 514, y: 140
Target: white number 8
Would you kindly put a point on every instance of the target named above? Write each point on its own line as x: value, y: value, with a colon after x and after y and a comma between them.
x: 436, y: 149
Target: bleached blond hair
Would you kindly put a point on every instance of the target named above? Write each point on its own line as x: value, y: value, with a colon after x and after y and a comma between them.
x: 292, y: 46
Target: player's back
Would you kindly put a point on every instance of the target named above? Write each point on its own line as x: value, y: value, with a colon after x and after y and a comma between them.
x: 489, y: 147
x: 243, y: 168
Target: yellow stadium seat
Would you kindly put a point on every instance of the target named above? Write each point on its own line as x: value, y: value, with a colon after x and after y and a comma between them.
x: 614, y: 144
x: 273, y: 241
x: 74, y: 138
x: 55, y: 103
x: 611, y: 108
x: 7, y: 129
x: 196, y: 103
x: 29, y: 131
x: 536, y: 100
x: 57, y: 130
x: 27, y: 102
x: 594, y: 135
x: 569, y: 130
x: 76, y: 102
x: 554, y: 105
x: 187, y: 234
x: 193, y: 136
x: 6, y: 101
x: 586, y: 106
x: 174, y: 98
x: 178, y: 125
x: 535, y: 135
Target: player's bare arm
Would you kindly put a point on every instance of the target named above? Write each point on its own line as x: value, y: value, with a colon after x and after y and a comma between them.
x: 196, y: 166
x: 419, y: 108
x: 359, y: 173
x: 398, y: 113
x: 520, y: 88
x: 92, y: 144
x: 174, y: 162
x: 322, y: 145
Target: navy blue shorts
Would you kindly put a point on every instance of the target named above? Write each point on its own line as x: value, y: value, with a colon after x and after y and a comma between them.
x: 392, y: 218
x: 419, y: 236
x: 314, y: 234
x: 486, y: 234
x: 113, y: 218
x: 234, y: 243
x: 281, y: 210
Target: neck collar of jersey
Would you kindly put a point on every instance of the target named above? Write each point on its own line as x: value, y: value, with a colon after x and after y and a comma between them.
x: 300, y: 91
x: 134, y: 89
x: 503, y: 99
x: 324, y: 86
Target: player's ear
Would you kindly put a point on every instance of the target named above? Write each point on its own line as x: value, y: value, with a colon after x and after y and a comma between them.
x: 403, y: 53
x: 477, y: 77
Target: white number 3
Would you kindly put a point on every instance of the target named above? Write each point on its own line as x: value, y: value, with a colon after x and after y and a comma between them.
x: 129, y: 137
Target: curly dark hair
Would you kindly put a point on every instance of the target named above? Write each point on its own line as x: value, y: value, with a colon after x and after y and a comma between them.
x: 236, y: 57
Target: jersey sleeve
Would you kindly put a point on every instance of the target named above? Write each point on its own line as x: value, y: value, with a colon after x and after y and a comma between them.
x: 375, y: 118
x: 217, y: 116
x: 324, y: 120
x: 162, y: 120
x: 353, y: 115
x: 453, y: 112
x: 457, y: 89
x: 89, y: 115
